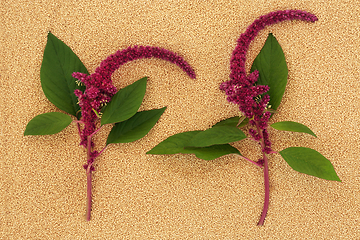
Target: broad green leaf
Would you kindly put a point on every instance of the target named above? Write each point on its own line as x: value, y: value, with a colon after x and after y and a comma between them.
x: 233, y: 122
x: 293, y: 127
x: 173, y: 144
x: 272, y: 69
x: 309, y: 161
x: 178, y: 143
x: 211, y: 152
x: 47, y: 123
x: 217, y: 135
x: 125, y: 103
x: 135, y: 127
x: 59, y: 62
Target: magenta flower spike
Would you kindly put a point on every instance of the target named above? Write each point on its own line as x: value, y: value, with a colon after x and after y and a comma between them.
x: 243, y: 91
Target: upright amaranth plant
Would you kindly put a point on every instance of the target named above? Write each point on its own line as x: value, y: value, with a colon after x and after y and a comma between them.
x: 268, y: 75
x: 93, y: 99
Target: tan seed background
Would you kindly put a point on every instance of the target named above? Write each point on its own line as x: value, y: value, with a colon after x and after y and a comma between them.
x: 138, y: 196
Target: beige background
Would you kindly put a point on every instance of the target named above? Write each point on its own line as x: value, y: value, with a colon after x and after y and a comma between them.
x: 138, y: 196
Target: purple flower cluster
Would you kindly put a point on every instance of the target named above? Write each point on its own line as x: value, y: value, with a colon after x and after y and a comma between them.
x: 113, y: 62
x: 241, y: 89
x: 237, y: 62
x: 252, y: 106
x: 100, y: 89
x: 97, y: 93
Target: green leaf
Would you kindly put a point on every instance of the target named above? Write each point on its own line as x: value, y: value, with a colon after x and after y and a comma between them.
x: 233, y: 122
x: 135, y: 127
x: 182, y: 143
x: 173, y: 144
x: 59, y: 62
x: 125, y: 103
x: 293, y: 127
x: 309, y: 161
x: 217, y: 135
x: 47, y: 123
x: 272, y: 69
x: 211, y: 152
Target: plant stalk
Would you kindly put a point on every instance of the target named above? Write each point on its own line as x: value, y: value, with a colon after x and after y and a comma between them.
x: 89, y: 177
x: 266, y: 179
x: 267, y: 191
x: 89, y: 198
x: 89, y: 184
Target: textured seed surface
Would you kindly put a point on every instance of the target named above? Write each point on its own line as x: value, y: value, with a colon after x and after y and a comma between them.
x: 138, y: 196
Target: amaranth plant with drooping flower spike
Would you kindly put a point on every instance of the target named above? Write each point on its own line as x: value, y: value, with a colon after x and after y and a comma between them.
x: 94, y: 100
x: 99, y: 90
x: 243, y: 91
x: 268, y: 75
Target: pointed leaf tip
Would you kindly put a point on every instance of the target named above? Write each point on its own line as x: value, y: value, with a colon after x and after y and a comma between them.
x: 59, y: 62
x: 233, y: 122
x: 309, y: 161
x: 293, y: 127
x: 178, y: 143
x: 47, y: 124
x: 173, y: 144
